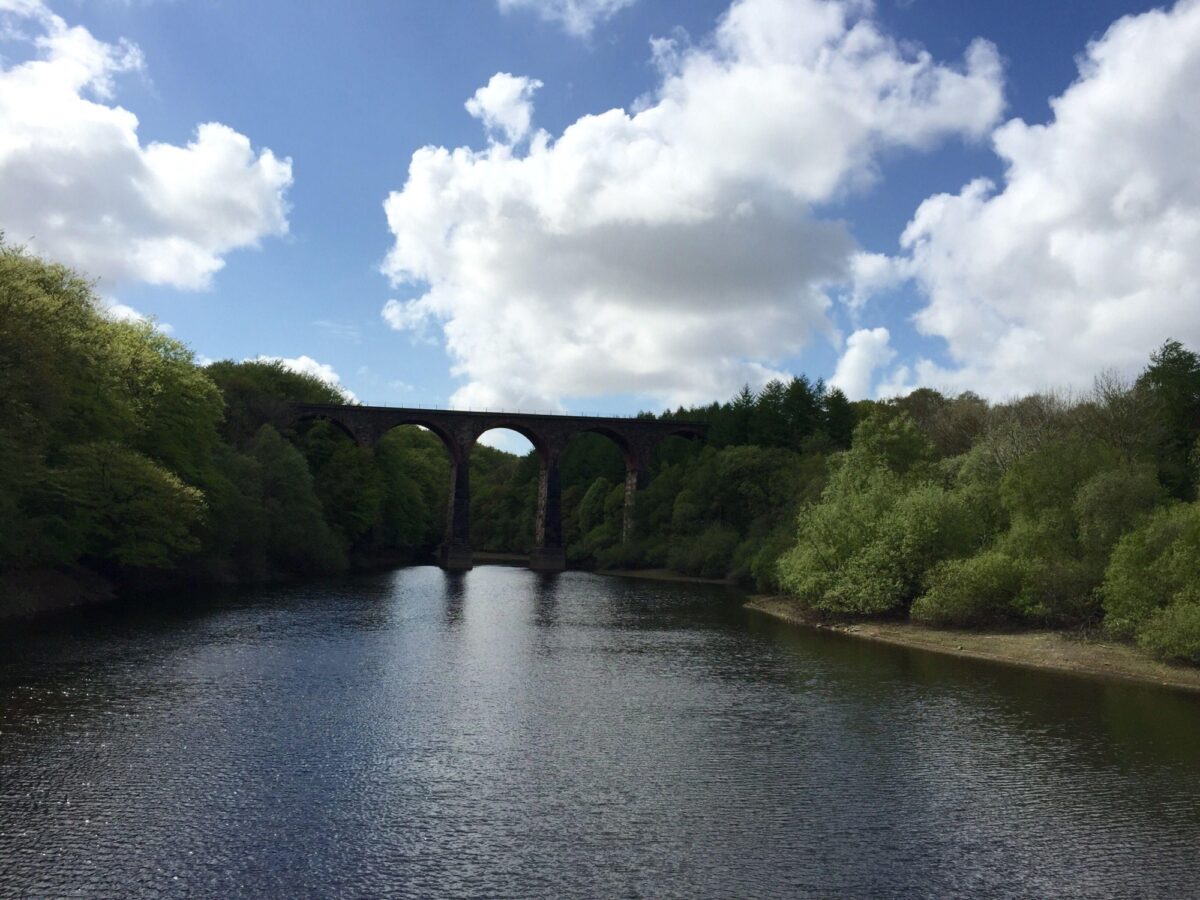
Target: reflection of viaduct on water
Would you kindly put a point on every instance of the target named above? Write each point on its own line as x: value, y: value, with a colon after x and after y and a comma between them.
x: 549, y: 435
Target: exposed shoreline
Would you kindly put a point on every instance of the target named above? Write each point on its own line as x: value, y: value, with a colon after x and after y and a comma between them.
x: 1049, y: 650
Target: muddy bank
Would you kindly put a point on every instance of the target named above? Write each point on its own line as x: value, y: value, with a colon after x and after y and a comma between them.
x: 1038, y: 649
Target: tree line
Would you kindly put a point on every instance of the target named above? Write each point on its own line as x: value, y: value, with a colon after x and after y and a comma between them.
x: 119, y: 454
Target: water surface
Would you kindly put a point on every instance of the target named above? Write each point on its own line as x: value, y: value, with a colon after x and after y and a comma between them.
x: 501, y: 733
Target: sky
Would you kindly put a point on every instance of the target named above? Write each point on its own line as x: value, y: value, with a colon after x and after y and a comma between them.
x: 613, y: 205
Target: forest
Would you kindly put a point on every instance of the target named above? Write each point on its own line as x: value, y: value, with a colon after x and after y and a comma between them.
x: 121, y: 457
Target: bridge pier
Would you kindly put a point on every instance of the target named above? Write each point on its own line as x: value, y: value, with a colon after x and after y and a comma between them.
x: 548, y: 553
x: 455, y: 552
x: 637, y: 476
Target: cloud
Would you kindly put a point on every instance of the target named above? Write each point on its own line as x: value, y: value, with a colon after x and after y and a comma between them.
x: 505, y: 104
x: 345, y: 331
x: 577, y: 17
x: 676, y: 252
x: 872, y: 274
x: 121, y: 312
x: 79, y: 186
x: 306, y: 365
x: 1088, y: 256
x: 866, y: 351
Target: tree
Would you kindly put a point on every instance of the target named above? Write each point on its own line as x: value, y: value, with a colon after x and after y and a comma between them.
x: 741, y: 415
x: 124, y: 508
x: 1173, y: 377
x: 803, y: 409
x: 258, y: 392
x: 297, y: 537
x: 838, y: 419
x: 769, y: 422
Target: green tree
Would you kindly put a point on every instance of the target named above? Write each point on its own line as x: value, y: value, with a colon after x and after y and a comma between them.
x: 126, y: 509
x: 1173, y: 378
x: 839, y: 419
x: 1152, y: 567
x: 769, y: 422
x: 296, y: 535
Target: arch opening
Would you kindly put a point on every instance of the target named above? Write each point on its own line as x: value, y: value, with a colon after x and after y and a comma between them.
x: 415, y: 463
x: 595, y: 467
x: 505, y: 470
x: 305, y: 423
x: 675, y: 448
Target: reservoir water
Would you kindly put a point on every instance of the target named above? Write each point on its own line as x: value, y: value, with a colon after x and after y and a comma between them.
x: 504, y: 734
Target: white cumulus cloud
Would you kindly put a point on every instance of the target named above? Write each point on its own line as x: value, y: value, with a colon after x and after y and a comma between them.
x: 675, y: 252
x: 867, y: 350
x: 79, y: 185
x: 1088, y: 255
x: 306, y: 365
x: 505, y: 104
x: 577, y: 17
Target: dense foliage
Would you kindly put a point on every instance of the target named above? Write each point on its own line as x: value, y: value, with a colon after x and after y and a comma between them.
x: 1043, y: 511
x: 120, y: 454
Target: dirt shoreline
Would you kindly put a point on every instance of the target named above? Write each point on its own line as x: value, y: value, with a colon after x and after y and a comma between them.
x: 1051, y: 650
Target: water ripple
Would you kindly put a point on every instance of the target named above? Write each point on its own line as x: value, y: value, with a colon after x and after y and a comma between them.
x: 504, y: 735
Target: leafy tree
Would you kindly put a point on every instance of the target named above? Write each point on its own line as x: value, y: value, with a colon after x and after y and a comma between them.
x: 1153, y: 567
x: 124, y: 508
x: 296, y: 535
x: 345, y: 479
x: 258, y: 392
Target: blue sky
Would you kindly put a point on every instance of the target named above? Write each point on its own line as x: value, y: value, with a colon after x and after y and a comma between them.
x: 348, y: 92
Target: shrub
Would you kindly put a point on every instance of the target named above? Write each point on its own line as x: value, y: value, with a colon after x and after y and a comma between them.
x: 832, y: 531
x: 865, y: 548
x: 1057, y: 590
x: 708, y: 555
x: 926, y: 525
x: 1110, y: 503
x: 1151, y: 566
x: 1173, y: 633
x: 976, y: 591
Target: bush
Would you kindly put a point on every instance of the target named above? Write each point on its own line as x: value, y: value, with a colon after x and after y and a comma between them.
x: 1151, y: 566
x: 866, y: 547
x: 708, y: 555
x: 977, y: 591
x: 832, y: 531
x: 926, y: 525
x: 1110, y: 503
x: 1173, y: 633
x: 1057, y: 590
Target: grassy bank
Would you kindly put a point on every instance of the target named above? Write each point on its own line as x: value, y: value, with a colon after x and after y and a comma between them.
x: 1041, y: 649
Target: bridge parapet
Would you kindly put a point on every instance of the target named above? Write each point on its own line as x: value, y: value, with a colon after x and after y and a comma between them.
x: 549, y: 435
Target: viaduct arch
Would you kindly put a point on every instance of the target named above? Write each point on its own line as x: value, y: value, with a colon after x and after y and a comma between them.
x: 549, y: 434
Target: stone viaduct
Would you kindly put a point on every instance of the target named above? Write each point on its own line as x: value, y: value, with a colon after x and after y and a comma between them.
x: 549, y: 434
